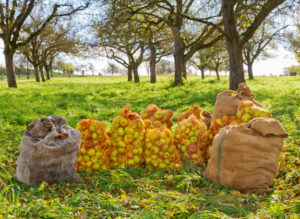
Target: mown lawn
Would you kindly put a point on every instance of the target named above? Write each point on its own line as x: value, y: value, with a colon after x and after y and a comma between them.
x: 140, y: 193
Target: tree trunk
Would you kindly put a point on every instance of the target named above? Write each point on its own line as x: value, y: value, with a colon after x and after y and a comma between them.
x: 136, y: 74
x: 10, y: 70
x: 129, y: 73
x: 27, y: 71
x: 202, y: 73
x: 152, y: 66
x: 234, y: 48
x: 217, y: 72
x: 250, y: 70
x: 236, y: 74
x: 42, y: 74
x: 36, y: 73
x: 47, y: 73
x: 180, y: 69
x: 51, y: 72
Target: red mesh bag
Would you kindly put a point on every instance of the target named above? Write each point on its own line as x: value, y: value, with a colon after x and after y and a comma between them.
x: 93, y: 153
x: 160, y: 151
x: 127, y: 140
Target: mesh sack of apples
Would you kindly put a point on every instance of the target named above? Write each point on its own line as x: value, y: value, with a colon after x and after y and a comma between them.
x: 127, y: 140
x: 190, y: 138
x: 160, y: 151
x: 154, y: 113
x: 247, y: 111
x: 92, y: 156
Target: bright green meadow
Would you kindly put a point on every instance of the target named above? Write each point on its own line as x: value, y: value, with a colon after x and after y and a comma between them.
x: 141, y: 193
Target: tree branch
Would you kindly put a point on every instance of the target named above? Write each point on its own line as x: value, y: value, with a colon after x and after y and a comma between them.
x: 53, y: 14
x: 199, y: 46
x: 204, y: 21
x: 263, y: 13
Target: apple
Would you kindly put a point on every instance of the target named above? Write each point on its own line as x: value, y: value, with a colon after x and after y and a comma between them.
x: 122, y: 158
x: 166, y: 155
x: 213, y: 127
x: 157, y: 115
x: 192, y: 148
x: 123, y: 122
x: 195, y: 156
x: 186, y: 142
x: 165, y: 147
x: 93, y: 127
x: 129, y: 154
x: 88, y: 144
x: 122, y: 150
x: 137, y: 159
x: 246, y: 117
x: 154, y: 150
x: 120, y: 131
x: 87, y: 134
x: 171, y: 150
x: 172, y: 157
x: 122, y: 144
x: 82, y: 150
x: 147, y: 153
x: 130, y: 162
x: 91, y: 152
x: 177, y: 166
x: 79, y: 159
x: 167, y: 161
x: 193, y: 139
x: 144, y: 114
x: 136, y: 134
x: 154, y: 163
x: 162, y: 166
x: 183, y: 148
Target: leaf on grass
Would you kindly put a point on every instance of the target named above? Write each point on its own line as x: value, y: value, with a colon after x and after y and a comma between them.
x: 222, y: 193
x: 42, y: 186
x: 9, y: 148
x: 123, y: 196
x: 235, y: 192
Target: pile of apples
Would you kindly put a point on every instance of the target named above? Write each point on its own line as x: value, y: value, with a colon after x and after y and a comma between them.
x: 193, y: 110
x: 127, y: 140
x: 154, y: 113
x: 190, y: 138
x: 215, y: 127
x: 92, y: 156
x: 160, y: 151
x: 218, y: 123
x: 247, y: 111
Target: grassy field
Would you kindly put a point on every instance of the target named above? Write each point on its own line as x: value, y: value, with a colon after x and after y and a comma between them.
x: 140, y: 193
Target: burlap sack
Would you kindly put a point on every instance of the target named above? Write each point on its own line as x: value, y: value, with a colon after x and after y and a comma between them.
x: 227, y: 101
x: 245, y: 157
x: 48, y: 152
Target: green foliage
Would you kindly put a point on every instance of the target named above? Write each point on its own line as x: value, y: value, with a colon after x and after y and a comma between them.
x: 140, y: 193
x: 294, y: 68
x: 68, y: 67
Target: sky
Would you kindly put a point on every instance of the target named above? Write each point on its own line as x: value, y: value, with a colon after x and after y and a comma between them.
x: 271, y: 66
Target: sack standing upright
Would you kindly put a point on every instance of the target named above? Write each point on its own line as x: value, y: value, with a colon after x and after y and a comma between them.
x: 246, y: 157
x: 48, y: 152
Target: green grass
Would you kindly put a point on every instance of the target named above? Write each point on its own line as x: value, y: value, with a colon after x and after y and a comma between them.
x: 140, y: 193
